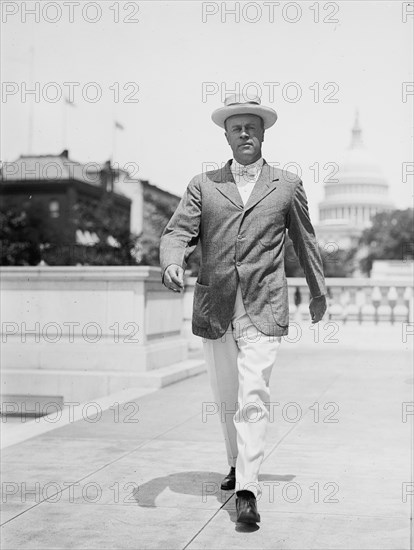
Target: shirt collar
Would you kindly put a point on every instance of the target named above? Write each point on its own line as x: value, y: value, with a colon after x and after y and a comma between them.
x: 237, y: 167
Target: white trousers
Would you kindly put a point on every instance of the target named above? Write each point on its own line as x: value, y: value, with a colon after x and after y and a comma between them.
x: 239, y: 366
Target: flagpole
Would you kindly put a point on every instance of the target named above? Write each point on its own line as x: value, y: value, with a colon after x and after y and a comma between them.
x: 113, y: 133
x: 113, y: 141
x: 31, y: 105
x: 116, y: 126
x: 64, y: 125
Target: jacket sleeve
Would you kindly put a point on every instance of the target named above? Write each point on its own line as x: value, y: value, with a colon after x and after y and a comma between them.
x: 181, y: 234
x: 302, y: 233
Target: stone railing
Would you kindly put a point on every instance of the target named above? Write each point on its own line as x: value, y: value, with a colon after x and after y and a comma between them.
x: 357, y: 300
x: 87, y: 331
x: 350, y: 299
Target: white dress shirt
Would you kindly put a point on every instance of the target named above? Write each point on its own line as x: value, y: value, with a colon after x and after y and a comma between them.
x: 246, y: 176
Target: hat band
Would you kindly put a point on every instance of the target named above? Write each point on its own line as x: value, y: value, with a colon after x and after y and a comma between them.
x: 245, y: 103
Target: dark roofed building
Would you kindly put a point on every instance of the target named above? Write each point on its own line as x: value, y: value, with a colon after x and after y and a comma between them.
x: 60, y: 183
x: 56, y: 191
x: 66, y: 199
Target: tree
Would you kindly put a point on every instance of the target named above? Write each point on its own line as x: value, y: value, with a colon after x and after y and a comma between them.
x: 159, y: 207
x: 391, y: 237
x: 26, y: 232
x: 17, y: 244
x: 115, y: 245
x: 30, y: 236
x: 338, y: 263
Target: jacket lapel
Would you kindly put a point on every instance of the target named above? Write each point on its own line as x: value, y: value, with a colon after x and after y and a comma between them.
x: 226, y: 185
x: 264, y: 185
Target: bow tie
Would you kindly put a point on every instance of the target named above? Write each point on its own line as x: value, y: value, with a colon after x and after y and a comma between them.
x: 246, y: 172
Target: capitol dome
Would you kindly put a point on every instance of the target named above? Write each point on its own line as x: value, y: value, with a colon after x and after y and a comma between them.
x: 355, y: 191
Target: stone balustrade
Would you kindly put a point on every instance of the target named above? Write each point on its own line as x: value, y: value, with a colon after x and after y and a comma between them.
x: 350, y: 299
x: 87, y: 331
x: 357, y: 300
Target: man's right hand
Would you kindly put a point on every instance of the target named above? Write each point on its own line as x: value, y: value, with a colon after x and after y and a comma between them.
x: 174, y: 277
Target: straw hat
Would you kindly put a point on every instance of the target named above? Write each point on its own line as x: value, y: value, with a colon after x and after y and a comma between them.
x: 237, y: 104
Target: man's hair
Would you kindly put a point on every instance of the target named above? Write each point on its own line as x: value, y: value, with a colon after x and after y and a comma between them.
x: 261, y: 120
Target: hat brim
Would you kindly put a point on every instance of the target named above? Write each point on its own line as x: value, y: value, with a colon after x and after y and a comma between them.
x: 268, y: 115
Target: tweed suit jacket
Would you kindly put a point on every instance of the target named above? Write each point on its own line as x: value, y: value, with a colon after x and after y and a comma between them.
x: 242, y: 243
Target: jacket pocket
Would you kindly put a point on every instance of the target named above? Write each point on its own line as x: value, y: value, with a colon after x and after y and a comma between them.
x: 279, y: 303
x: 201, y: 303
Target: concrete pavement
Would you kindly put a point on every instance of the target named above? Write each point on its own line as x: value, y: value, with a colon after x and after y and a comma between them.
x: 146, y: 473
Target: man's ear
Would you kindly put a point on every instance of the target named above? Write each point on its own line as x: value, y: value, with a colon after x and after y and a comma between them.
x: 225, y: 133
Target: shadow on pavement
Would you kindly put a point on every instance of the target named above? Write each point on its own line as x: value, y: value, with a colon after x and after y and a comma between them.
x: 204, y: 485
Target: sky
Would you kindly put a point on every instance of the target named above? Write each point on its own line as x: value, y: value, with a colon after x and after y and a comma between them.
x: 160, y: 68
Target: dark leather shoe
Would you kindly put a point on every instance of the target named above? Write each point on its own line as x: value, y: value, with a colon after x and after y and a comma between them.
x: 246, y: 507
x: 229, y: 482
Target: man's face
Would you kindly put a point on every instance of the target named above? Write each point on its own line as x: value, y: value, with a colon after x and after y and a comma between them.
x: 245, y: 135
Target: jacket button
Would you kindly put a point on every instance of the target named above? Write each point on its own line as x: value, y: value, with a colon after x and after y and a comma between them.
x: 238, y: 263
x: 239, y: 237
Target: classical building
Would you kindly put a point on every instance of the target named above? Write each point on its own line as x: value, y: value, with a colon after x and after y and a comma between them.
x: 353, y: 196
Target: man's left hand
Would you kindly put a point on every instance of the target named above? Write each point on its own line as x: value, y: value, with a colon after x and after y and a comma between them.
x: 317, y: 308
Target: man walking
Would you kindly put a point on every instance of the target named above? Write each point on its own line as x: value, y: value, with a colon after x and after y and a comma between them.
x: 240, y: 215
